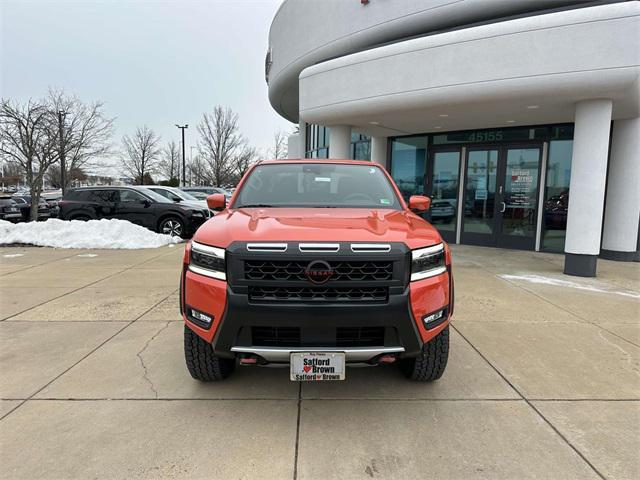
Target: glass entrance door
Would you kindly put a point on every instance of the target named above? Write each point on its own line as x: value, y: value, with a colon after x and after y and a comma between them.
x: 501, y: 196
x: 519, y: 198
x: 443, y: 180
x: 479, y: 216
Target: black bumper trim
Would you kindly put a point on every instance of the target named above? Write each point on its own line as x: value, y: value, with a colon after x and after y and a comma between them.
x: 316, y: 320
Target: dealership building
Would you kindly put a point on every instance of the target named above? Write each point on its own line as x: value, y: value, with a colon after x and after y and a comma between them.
x: 520, y: 119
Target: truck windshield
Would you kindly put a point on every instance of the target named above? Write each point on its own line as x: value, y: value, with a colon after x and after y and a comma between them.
x: 318, y: 185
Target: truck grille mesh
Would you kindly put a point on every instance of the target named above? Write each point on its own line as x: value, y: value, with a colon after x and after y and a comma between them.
x: 292, y: 337
x: 319, y: 294
x: 295, y: 270
x: 275, y: 336
x: 360, y: 337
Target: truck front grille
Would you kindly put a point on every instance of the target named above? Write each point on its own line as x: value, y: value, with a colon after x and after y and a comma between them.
x: 319, y: 294
x: 295, y: 270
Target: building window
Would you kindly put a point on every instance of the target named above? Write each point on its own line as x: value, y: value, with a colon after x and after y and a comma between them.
x: 408, y: 164
x: 317, y: 141
x: 556, y: 194
x: 360, y: 147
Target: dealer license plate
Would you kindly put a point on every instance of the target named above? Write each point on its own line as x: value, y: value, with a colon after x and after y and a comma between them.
x: 317, y: 366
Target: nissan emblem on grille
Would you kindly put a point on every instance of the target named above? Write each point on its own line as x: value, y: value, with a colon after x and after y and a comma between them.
x: 318, y: 272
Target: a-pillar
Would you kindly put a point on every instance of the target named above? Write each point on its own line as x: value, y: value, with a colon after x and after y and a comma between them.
x: 622, y: 212
x: 340, y: 141
x: 379, y: 150
x: 587, y: 186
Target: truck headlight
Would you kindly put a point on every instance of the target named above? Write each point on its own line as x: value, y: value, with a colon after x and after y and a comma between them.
x: 208, y: 261
x: 427, y: 262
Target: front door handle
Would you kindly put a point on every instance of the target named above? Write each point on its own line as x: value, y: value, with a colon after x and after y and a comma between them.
x: 504, y: 207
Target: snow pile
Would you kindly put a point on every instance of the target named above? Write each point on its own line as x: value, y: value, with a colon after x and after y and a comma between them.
x: 76, y: 234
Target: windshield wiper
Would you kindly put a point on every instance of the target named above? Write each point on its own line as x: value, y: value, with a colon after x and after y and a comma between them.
x: 255, y: 205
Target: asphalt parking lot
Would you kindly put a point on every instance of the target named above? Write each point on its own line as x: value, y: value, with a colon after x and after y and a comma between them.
x: 543, y: 381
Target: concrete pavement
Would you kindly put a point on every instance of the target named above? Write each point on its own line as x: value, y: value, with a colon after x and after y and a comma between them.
x: 543, y: 381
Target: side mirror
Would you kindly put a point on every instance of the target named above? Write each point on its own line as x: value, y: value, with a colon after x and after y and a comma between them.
x: 177, y: 199
x: 419, y: 203
x: 146, y: 203
x: 216, y: 201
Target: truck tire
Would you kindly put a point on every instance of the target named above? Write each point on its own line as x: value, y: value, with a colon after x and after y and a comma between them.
x: 430, y: 364
x: 201, y: 362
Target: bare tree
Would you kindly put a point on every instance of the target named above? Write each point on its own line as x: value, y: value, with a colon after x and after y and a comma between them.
x: 140, y: 153
x: 280, y: 145
x: 221, y: 143
x: 12, y: 173
x: 87, y: 134
x: 72, y: 176
x: 27, y: 138
x: 243, y: 163
x: 169, y: 165
x: 197, y: 172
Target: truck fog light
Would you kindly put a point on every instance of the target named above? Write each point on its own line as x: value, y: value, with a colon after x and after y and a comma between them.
x: 201, y: 316
x: 434, y: 319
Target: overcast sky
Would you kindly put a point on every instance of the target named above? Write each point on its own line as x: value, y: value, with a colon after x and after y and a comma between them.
x: 152, y: 62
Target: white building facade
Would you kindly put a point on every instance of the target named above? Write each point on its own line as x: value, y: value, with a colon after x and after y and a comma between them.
x: 520, y: 119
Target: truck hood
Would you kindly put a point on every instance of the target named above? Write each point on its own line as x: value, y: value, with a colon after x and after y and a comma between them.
x: 317, y: 225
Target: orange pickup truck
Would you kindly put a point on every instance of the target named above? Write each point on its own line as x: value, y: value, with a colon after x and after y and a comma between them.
x: 316, y: 266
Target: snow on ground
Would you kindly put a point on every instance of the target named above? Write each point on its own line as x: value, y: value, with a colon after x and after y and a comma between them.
x: 76, y: 234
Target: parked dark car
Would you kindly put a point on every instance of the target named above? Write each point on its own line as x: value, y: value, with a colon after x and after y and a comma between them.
x: 52, y: 202
x: 23, y: 202
x: 138, y: 205
x: 555, y: 211
x: 9, y: 210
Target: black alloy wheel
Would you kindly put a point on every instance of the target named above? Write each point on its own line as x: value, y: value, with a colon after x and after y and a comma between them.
x: 172, y: 226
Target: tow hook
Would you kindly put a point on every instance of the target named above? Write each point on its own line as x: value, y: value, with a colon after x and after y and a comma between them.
x: 250, y: 360
x: 384, y: 359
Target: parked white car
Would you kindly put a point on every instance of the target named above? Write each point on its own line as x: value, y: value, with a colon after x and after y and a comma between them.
x: 177, y: 195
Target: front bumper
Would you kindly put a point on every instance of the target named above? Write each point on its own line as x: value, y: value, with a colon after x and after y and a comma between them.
x: 352, y: 354
x: 235, y: 317
x: 317, y: 327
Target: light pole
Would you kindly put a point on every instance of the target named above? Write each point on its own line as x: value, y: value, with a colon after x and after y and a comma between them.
x: 61, y: 115
x: 191, y: 163
x: 184, y: 168
x: 191, y: 168
x: 2, y: 160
